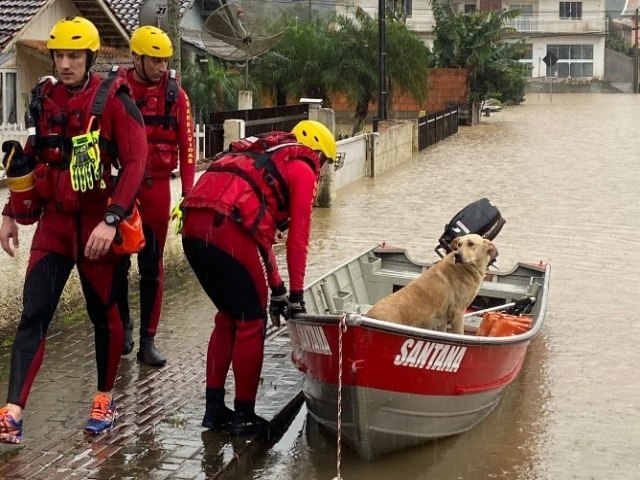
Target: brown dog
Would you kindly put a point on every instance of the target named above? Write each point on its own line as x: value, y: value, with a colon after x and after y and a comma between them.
x: 442, y: 292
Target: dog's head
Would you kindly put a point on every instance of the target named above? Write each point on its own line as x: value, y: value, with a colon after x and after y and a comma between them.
x: 473, y: 249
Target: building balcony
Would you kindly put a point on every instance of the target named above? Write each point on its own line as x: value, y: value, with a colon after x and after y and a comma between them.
x: 559, y: 26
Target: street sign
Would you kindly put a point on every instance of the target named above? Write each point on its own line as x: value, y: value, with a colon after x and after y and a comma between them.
x: 550, y: 59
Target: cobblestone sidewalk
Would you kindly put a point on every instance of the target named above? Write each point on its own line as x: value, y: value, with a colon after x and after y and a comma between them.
x: 158, y: 433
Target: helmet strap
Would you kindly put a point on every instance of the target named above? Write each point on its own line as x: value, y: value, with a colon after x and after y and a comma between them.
x: 142, y: 74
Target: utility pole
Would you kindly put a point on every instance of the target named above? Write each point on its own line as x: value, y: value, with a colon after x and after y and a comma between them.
x: 382, y: 40
x: 173, y: 30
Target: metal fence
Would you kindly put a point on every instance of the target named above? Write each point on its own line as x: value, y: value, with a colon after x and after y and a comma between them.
x: 436, y: 126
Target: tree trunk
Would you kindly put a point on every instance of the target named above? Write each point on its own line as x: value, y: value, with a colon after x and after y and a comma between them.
x: 362, y: 110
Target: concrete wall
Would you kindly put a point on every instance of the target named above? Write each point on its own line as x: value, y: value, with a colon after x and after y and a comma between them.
x: 366, y: 155
x: 393, y: 145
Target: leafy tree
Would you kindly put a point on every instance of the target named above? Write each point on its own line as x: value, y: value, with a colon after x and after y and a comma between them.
x: 356, y: 42
x: 340, y: 55
x: 211, y: 87
x: 481, y: 43
x: 301, y: 64
x: 615, y: 41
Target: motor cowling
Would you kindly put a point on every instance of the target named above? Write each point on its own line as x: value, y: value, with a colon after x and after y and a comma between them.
x: 481, y: 217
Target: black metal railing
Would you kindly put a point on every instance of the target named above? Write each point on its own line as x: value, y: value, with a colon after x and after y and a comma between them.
x: 436, y: 126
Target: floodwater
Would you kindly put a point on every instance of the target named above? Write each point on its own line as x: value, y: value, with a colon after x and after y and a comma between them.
x: 565, y: 173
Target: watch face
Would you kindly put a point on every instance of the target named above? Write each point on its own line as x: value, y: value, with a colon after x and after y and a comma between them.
x: 110, y: 219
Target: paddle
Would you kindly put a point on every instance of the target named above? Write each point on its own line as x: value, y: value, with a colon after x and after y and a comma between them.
x: 520, y: 305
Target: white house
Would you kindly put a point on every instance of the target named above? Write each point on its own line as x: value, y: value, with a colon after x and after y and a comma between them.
x: 24, y: 29
x: 571, y: 32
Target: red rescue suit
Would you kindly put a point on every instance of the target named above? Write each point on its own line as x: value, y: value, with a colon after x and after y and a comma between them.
x: 169, y: 126
x: 230, y: 222
x: 68, y: 217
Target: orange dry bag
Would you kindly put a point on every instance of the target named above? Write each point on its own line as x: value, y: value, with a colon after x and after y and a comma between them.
x: 129, y: 235
x: 495, y: 324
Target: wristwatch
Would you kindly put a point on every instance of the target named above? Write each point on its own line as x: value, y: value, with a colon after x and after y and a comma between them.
x: 111, y: 219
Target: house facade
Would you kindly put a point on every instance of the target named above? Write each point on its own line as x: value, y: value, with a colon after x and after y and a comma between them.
x: 24, y: 58
x: 571, y: 32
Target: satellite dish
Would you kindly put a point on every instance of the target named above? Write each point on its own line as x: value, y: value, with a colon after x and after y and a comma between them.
x: 239, y: 30
x: 154, y: 12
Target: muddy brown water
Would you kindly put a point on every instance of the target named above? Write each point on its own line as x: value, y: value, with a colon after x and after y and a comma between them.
x: 565, y: 173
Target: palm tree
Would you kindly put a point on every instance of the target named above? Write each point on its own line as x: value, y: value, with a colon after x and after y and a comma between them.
x: 479, y: 42
x: 356, y: 43
x: 301, y: 64
x: 327, y: 55
x: 211, y: 87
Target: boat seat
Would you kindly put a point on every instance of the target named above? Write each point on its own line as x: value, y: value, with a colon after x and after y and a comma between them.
x: 506, y: 290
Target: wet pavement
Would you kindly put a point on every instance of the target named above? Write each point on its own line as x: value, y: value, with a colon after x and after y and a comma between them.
x: 158, y: 434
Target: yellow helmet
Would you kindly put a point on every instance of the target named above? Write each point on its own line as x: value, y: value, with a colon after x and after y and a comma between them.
x: 317, y: 137
x: 152, y: 42
x: 74, y: 33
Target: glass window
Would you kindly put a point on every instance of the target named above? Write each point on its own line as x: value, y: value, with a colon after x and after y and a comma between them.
x: 563, y: 69
x: 563, y: 51
x: 571, y: 10
x: 8, y: 97
x: 12, y: 113
x: 408, y: 7
x: 469, y: 7
x: 575, y: 69
x: 528, y: 51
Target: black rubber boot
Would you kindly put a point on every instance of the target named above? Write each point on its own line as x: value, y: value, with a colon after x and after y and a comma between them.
x: 217, y: 416
x: 246, y: 422
x: 128, y: 345
x: 149, y: 355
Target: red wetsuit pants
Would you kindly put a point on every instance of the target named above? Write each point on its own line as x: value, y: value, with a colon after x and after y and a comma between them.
x: 58, y: 244
x: 229, y: 266
x: 155, y: 205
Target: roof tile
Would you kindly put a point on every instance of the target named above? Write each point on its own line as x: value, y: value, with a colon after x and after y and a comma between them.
x: 127, y: 11
x: 14, y: 15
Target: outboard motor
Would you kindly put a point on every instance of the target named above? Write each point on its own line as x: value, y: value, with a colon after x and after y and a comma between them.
x: 481, y: 217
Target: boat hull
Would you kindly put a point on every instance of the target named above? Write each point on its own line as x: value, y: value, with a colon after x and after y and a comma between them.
x: 401, y: 386
x: 375, y: 422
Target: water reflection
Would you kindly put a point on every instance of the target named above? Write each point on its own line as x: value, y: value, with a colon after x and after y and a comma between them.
x: 564, y: 174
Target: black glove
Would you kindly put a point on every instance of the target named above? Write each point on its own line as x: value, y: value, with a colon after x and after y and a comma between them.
x: 11, y: 148
x: 278, y: 304
x: 296, y: 305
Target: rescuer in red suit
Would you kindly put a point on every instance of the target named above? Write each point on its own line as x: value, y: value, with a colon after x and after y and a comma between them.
x: 169, y: 125
x: 83, y: 126
x: 261, y: 185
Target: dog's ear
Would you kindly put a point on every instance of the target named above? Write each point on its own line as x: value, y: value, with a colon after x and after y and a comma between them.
x: 454, y: 244
x: 492, y: 251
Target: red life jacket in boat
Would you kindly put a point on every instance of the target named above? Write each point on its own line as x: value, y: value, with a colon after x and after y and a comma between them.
x: 56, y: 125
x: 159, y: 108
x: 248, y: 184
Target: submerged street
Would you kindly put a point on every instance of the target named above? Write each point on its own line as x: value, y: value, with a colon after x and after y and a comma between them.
x: 564, y: 173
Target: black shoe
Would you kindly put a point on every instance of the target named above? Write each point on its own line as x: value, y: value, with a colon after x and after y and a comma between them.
x: 149, y: 355
x: 217, y: 418
x: 248, y: 424
x: 128, y: 345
